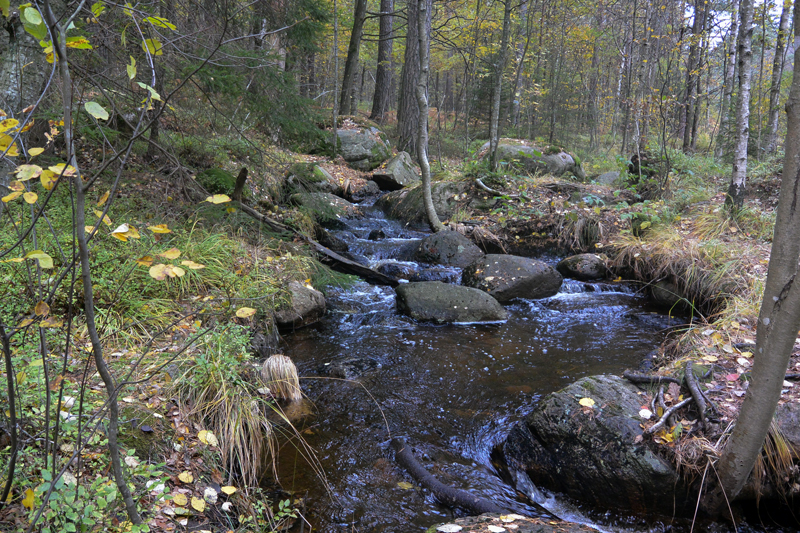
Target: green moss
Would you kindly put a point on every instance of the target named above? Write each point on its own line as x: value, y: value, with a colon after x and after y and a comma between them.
x: 217, y: 181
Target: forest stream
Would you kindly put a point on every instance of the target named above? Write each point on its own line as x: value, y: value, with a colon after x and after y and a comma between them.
x: 452, y: 391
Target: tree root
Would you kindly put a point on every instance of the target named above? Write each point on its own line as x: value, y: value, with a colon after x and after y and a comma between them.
x: 639, y: 379
x: 447, y: 495
x: 663, y: 420
x: 699, y: 398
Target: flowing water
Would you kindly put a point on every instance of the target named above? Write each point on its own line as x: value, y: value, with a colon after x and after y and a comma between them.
x: 453, y: 391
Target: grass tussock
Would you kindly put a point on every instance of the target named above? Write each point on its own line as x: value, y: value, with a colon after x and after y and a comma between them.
x: 219, y: 391
x: 280, y: 375
x: 706, y: 274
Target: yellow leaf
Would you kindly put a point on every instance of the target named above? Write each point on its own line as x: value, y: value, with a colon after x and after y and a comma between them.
x: 245, y: 312
x: 586, y: 402
x: 45, y: 261
x: 158, y: 272
x: 218, y: 199
x: 211, y: 439
x: 405, y: 485
x: 51, y: 322
x: 124, y: 232
x: 172, y: 253
x: 180, y: 499
x: 27, y: 501
x: 192, y: 265
x: 33, y: 152
x: 152, y: 46
x: 26, y: 172
x: 231, y: 210
x: 747, y: 354
x: 42, y: 309
x: 161, y: 228
x: 710, y: 358
x: 104, y: 218
x: 198, y: 504
x: 25, y: 323
x: 8, y: 146
x: 13, y: 196
x: 103, y: 199
x: 186, y: 476
x: 8, y: 123
x: 228, y: 489
x: 30, y: 197
x: 63, y: 168
x: 202, y: 436
x: 16, y: 186
x: 89, y: 229
x: 48, y: 179
x: 175, y: 271
x: 145, y: 261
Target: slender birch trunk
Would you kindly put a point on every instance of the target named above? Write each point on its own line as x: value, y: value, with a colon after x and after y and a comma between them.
x: 735, y: 197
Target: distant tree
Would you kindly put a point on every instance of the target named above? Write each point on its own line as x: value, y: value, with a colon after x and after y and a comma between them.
x: 383, y: 72
x: 347, y: 106
x: 735, y: 197
x: 407, y: 105
x: 777, y: 74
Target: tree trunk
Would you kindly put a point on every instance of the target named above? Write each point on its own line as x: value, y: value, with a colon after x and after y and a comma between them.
x: 735, y: 197
x: 383, y: 73
x: 423, y: 46
x: 494, y: 121
x: 407, y: 107
x: 347, y: 103
x: 777, y: 74
x: 727, y: 91
x: 693, y: 74
x: 778, y: 322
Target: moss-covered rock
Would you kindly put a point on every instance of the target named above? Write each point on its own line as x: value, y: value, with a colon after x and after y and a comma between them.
x: 217, y: 181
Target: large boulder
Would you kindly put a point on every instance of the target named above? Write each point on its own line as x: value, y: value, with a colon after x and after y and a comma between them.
x: 583, y: 267
x: 399, y: 172
x: 305, y: 306
x: 364, y: 148
x: 595, y: 454
x: 447, y: 248
x: 788, y: 418
x: 506, y: 277
x: 534, y: 160
x: 667, y: 295
x: 407, y: 204
x: 442, y: 302
x: 326, y: 207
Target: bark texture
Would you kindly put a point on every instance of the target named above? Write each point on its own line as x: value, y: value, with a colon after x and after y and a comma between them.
x: 422, y: 104
x: 727, y: 90
x: 494, y: 122
x: 407, y: 106
x: 383, y: 73
x: 778, y: 323
x: 777, y: 74
x: 347, y: 105
x: 735, y: 197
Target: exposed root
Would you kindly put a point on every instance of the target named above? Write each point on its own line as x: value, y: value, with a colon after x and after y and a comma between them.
x: 699, y: 398
x: 639, y: 379
x: 658, y: 426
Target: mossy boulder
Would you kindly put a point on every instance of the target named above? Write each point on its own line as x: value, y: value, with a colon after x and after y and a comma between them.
x: 583, y: 267
x: 364, y: 148
x: 407, y: 204
x: 305, y: 306
x: 506, y: 277
x: 326, y: 208
x: 448, y: 248
x: 553, y: 161
x: 398, y: 173
x: 309, y: 177
x: 595, y: 454
x: 443, y: 302
x: 217, y: 181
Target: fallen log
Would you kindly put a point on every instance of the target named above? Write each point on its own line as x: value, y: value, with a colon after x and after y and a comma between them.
x: 448, y: 496
x: 342, y: 264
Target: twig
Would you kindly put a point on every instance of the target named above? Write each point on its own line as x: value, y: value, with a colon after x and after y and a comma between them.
x: 492, y: 191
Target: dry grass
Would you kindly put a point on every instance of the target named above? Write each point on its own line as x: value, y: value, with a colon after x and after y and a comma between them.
x: 219, y: 391
x: 706, y: 274
x: 280, y: 375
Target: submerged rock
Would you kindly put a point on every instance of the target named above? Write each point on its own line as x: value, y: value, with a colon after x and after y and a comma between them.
x: 592, y: 453
x: 442, y: 302
x: 506, y: 277
x: 447, y: 248
x: 351, y: 368
x: 398, y: 173
x: 305, y: 307
x: 583, y: 267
